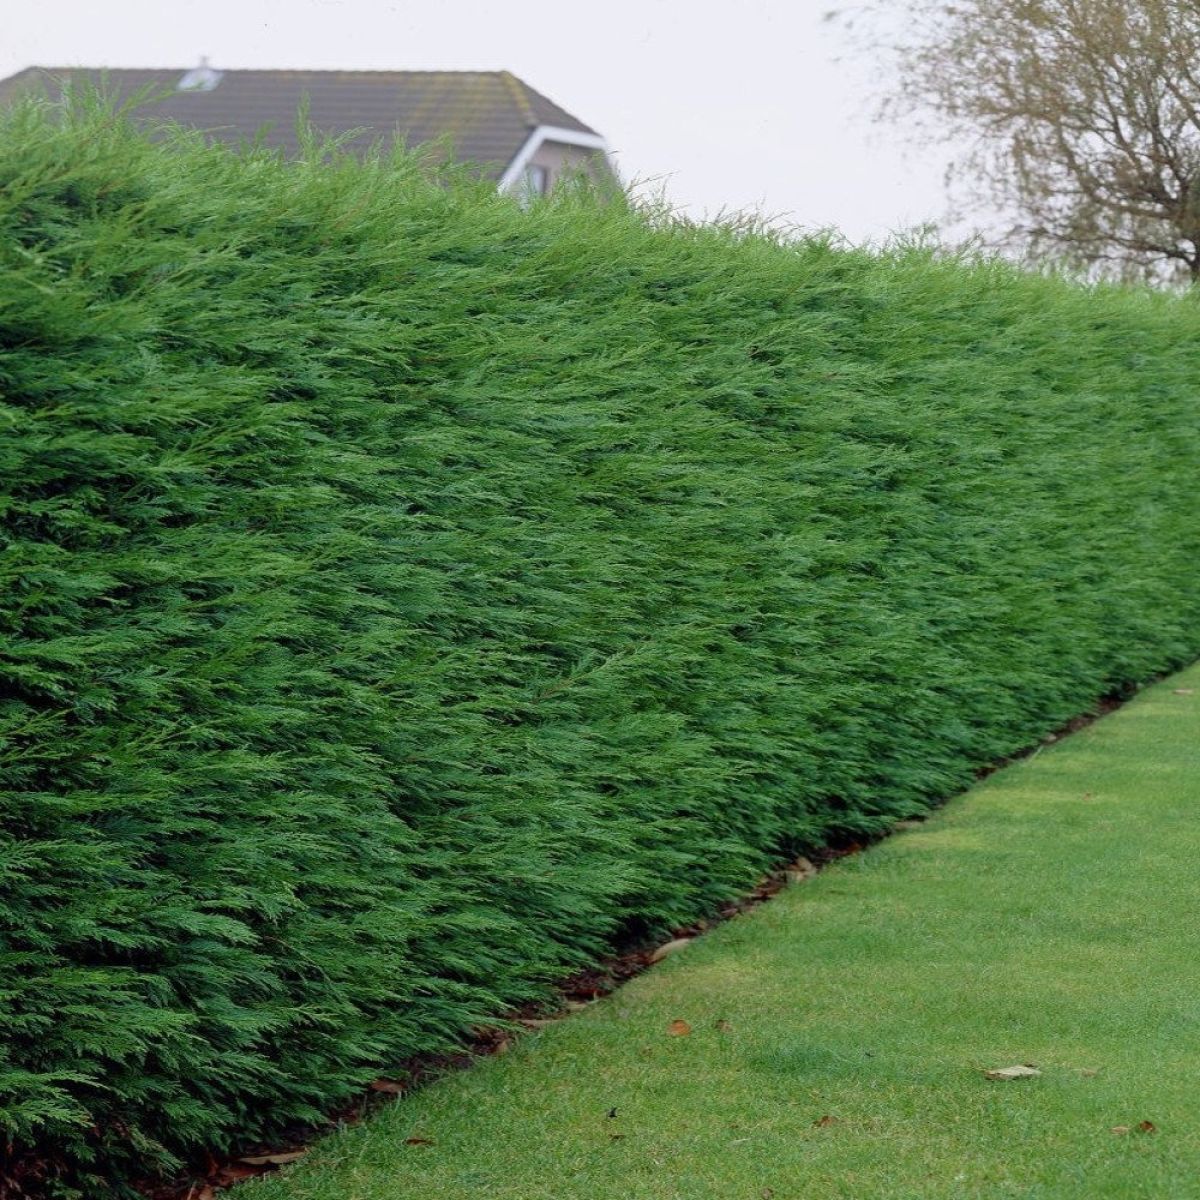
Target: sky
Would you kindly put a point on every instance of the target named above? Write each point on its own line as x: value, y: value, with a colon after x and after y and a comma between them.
x: 759, y: 105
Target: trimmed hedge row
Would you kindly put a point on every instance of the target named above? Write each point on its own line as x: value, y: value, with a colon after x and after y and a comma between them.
x: 404, y: 594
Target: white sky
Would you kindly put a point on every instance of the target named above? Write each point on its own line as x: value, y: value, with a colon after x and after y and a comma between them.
x: 733, y: 105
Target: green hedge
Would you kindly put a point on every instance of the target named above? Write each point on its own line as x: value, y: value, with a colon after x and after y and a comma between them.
x: 404, y: 594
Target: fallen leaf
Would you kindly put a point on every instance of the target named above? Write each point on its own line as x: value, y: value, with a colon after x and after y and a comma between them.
x: 536, y: 1022
x: 669, y: 948
x: 273, y: 1160
x: 825, y: 1121
x: 418, y: 1141
x: 232, y: 1173
x: 1185, y: 691
x: 1088, y: 1072
x: 679, y: 1029
x: 724, y: 1026
x: 205, y: 1193
x: 1120, y: 1130
x: 800, y: 870
x: 615, y: 1137
x: 390, y: 1086
x: 501, y: 1047
x: 1147, y: 1127
x: 1019, y: 1072
x: 578, y: 1005
x: 767, y: 1193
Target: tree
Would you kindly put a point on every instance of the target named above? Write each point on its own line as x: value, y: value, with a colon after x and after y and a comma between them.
x: 1082, y: 118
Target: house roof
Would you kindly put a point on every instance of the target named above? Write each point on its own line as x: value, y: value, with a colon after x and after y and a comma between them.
x: 488, y: 115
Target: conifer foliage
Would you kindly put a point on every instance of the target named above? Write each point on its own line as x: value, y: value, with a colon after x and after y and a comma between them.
x: 405, y: 592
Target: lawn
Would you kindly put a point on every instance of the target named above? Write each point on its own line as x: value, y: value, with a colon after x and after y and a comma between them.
x: 839, y: 1035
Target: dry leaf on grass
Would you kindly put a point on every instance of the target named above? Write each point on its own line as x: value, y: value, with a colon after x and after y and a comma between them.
x: 389, y: 1086
x: 536, y: 1022
x: 1021, y: 1071
x: 418, y: 1141
x: 679, y: 1029
x: 800, y: 870
x: 724, y: 1026
x: 273, y: 1160
x: 669, y: 948
x: 825, y: 1121
x: 1185, y: 691
x: 1141, y: 1127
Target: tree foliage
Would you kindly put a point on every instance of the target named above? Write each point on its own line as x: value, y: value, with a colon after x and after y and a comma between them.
x: 1084, y: 122
x: 404, y: 593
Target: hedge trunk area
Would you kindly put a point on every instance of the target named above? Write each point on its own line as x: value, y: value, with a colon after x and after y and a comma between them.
x: 406, y: 593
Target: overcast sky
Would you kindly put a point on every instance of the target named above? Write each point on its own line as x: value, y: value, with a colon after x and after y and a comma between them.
x: 747, y: 105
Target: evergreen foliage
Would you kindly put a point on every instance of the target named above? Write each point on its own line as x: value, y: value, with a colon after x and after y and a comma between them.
x: 405, y: 592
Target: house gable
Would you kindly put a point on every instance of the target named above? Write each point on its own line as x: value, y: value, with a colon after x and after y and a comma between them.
x: 490, y: 118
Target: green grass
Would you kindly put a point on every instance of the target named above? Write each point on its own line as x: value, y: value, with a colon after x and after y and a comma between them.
x: 1049, y: 916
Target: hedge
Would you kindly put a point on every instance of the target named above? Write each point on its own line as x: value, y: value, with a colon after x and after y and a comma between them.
x: 406, y: 593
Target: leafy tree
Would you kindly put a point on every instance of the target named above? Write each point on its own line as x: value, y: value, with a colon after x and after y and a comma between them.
x: 1081, y: 119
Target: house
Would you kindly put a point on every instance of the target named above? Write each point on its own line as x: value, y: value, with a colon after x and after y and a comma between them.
x: 492, y: 119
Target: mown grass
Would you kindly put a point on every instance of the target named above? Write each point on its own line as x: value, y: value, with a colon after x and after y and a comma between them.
x: 1049, y: 916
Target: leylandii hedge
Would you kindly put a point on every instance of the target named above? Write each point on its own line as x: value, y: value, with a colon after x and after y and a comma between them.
x: 405, y: 593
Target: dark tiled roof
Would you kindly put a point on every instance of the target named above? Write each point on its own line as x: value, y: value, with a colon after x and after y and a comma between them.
x: 488, y: 115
